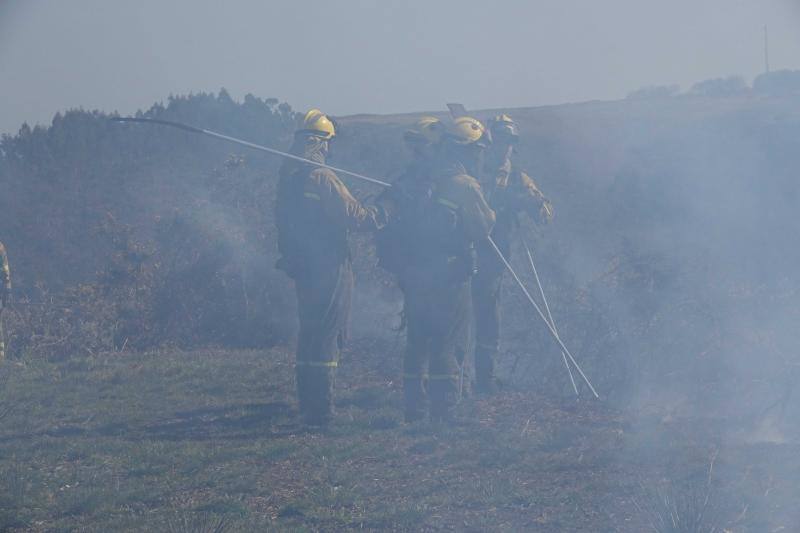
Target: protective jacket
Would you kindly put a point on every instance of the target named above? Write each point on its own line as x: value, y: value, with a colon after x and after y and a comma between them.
x: 315, y: 212
x: 406, y: 200
x: 511, y: 193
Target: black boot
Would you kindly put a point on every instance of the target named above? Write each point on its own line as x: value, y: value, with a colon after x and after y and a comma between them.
x: 485, y: 382
x: 315, y: 394
x: 486, y: 385
x: 414, y: 395
x: 443, y: 397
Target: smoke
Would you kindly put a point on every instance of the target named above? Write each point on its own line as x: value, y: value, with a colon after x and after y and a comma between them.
x: 694, y: 275
x: 670, y: 269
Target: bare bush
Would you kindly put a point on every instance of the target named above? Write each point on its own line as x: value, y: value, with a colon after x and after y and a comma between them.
x: 682, y: 506
x: 199, y: 522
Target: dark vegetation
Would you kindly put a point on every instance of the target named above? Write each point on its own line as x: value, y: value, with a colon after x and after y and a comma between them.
x: 670, y: 269
x: 141, y: 236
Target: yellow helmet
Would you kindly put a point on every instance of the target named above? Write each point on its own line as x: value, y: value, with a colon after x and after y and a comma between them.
x: 318, y: 124
x: 467, y: 130
x: 427, y: 130
x: 503, y: 126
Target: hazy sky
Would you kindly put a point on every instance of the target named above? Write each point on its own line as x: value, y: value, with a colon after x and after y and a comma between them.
x: 375, y: 56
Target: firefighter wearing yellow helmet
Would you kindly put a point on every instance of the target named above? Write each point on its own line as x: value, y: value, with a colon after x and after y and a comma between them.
x: 427, y: 131
x: 5, y: 294
x: 315, y: 213
x: 317, y: 124
x: 469, y: 131
x: 511, y: 192
x: 444, y: 225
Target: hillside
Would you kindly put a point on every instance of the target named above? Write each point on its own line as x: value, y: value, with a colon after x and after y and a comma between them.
x: 667, y: 256
x: 157, y: 366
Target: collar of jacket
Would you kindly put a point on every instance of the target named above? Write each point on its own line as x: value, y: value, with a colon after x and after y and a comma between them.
x: 302, y: 147
x: 312, y: 150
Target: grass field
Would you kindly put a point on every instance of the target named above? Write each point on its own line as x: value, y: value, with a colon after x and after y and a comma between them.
x: 209, y: 441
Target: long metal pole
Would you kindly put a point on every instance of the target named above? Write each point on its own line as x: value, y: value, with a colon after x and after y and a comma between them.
x: 374, y: 181
x: 254, y: 146
x: 549, y: 314
x: 541, y: 314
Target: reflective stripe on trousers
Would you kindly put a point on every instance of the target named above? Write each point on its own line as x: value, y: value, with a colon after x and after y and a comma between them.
x: 323, y: 364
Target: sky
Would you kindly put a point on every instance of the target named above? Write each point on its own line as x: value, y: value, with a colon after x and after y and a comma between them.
x: 359, y: 56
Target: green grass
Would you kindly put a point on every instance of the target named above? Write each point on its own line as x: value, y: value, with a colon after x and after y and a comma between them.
x: 209, y: 441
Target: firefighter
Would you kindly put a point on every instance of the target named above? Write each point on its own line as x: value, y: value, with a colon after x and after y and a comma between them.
x: 315, y: 213
x: 438, y: 270
x: 511, y: 193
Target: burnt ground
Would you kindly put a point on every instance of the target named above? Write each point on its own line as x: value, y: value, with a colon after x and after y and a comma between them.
x: 193, y: 441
